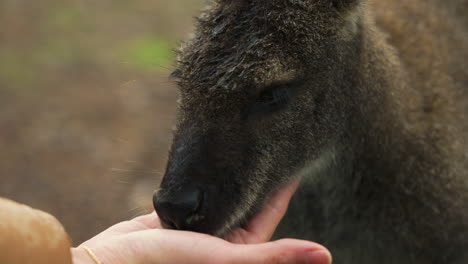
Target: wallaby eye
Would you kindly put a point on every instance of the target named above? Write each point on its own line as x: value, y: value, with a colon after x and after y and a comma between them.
x: 271, y: 100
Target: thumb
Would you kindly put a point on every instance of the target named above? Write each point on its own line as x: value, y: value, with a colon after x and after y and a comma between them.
x: 282, y: 252
x: 175, y: 247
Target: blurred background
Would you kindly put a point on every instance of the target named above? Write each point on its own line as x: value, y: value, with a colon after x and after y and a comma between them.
x: 86, y: 106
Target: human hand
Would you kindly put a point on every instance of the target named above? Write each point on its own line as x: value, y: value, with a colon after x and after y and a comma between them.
x: 142, y: 240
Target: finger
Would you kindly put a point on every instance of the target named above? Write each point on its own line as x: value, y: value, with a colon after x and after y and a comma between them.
x: 265, y: 222
x: 150, y: 221
x: 262, y: 226
x: 168, y: 246
x: 174, y: 247
x: 144, y: 222
x: 282, y: 252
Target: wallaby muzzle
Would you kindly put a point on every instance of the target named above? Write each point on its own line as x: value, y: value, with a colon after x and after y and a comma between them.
x: 199, y: 190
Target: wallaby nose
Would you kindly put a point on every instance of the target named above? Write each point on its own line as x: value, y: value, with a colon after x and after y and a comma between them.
x: 178, y: 211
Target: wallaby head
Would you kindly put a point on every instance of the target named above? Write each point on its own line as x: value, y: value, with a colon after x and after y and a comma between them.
x: 365, y: 99
x: 265, y: 92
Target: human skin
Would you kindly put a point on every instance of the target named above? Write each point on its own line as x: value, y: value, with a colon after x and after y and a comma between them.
x: 142, y: 240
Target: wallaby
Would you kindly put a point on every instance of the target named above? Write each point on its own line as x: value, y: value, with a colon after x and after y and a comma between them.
x: 367, y: 101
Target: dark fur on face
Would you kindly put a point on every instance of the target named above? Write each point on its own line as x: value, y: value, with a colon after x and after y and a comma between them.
x: 366, y: 100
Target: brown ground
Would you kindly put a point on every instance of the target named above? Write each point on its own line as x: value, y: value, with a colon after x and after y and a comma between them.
x: 84, y: 133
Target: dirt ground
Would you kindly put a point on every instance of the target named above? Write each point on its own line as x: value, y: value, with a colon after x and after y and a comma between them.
x: 86, y: 107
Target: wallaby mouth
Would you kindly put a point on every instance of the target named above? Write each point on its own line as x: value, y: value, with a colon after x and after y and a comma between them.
x: 202, y: 209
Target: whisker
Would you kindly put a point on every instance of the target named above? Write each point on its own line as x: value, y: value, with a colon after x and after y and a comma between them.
x: 119, y: 170
x: 122, y: 182
x: 135, y: 171
x: 138, y: 210
x: 121, y: 140
x: 134, y: 212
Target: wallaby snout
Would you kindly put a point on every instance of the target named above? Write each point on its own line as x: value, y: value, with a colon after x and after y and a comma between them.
x: 193, y: 206
x: 196, y: 193
x: 182, y: 210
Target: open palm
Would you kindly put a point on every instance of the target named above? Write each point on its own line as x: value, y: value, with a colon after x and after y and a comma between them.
x: 142, y: 240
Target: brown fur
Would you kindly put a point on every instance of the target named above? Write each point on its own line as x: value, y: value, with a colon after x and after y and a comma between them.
x: 376, y: 126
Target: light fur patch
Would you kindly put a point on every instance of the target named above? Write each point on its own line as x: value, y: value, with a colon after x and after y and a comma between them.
x: 352, y: 19
x: 275, y: 72
x: 307, y: 173
x: 317, y: 166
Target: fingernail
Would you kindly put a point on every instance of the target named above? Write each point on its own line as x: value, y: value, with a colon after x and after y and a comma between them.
x: 319, y: 257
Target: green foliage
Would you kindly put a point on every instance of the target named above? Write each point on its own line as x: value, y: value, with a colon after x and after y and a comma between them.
x: 17, y: 71
x: 65, y: 17
x: 48, y: 41
x: 149, y: 54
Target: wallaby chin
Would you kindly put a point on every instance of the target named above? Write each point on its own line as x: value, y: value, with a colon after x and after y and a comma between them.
x: 366, y: 100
